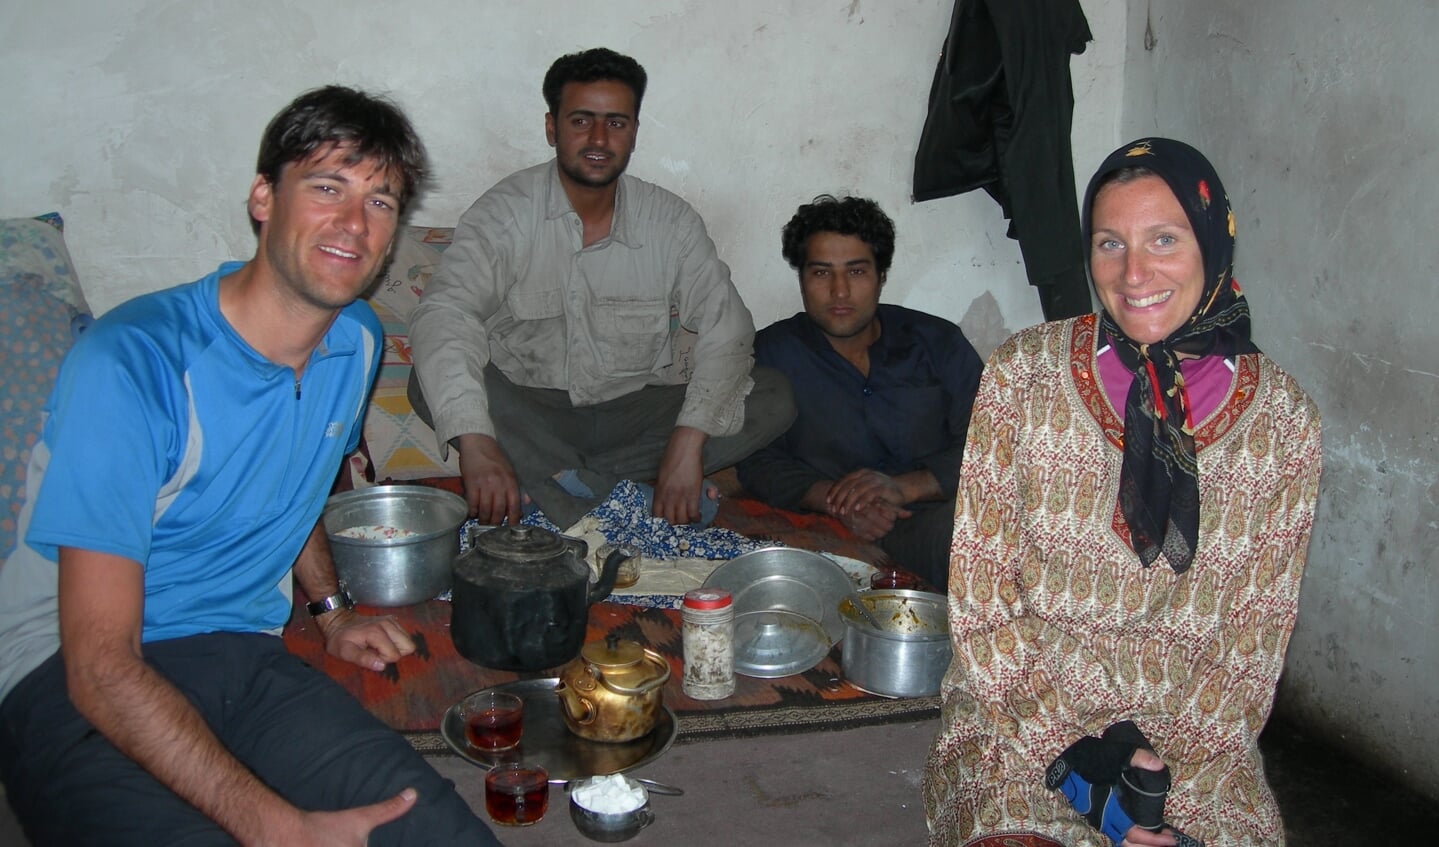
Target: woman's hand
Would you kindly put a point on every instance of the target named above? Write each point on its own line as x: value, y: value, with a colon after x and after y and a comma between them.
x: 1147, y: 759
x: 1138, y: 836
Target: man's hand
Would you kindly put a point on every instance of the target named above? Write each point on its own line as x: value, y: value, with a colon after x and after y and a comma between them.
x: 491, y: 488
x: 867, y: 502
x: 351, y: 827
x: 370, y: 642
x: 857, y: 490
x: 677, y: 491
x: 874, y: 521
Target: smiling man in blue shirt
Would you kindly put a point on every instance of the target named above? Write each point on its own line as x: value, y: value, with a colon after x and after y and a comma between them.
x: 883, y: 393
x: 186, y: 453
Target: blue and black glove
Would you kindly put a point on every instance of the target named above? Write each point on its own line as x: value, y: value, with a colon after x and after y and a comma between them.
x: 1096, y: 778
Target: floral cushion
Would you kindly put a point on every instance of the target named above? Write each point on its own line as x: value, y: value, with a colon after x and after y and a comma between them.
x: 41, y: 306
x: 399, y: 445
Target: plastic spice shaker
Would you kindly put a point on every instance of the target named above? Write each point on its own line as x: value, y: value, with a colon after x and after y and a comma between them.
x: 708, y: 632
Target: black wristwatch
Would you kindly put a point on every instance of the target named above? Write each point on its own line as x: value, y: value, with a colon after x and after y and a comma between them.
x: 340, y: 599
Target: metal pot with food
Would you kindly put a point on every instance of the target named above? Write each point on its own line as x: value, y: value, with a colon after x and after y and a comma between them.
x: 521, y: 598
x: 613, y: 691
x: 394, y: 545
x: 908, y: 651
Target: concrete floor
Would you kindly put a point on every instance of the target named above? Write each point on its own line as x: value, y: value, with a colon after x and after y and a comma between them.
x: 830, y: 788
x: 1331, y: 800
x: 861, y: 787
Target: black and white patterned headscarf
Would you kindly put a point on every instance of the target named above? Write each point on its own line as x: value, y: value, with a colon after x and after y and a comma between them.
x: 1159, y: 483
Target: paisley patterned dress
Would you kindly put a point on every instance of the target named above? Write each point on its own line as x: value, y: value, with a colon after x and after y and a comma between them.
x: 1059, y: 632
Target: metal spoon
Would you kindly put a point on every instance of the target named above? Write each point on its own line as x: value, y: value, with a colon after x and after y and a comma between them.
x: 863, y: 609
x: 654, y: 787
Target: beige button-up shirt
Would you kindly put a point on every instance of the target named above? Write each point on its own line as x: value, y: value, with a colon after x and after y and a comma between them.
x: 518, y: 288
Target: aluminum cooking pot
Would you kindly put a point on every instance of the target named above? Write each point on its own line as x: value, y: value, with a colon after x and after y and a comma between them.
x: 398, y: 571
x: 521, y: 598
x: 909, y: 653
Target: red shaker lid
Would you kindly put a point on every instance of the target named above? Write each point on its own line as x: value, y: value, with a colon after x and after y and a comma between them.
x: 705, y: 599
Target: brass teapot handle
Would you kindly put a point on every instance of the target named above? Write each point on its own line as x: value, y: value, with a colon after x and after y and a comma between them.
x: 648, y: 685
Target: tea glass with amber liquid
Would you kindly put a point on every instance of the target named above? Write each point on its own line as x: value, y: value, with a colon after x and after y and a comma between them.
x: 629, y: 570
x: 494, y: 720
x: 517, y: 794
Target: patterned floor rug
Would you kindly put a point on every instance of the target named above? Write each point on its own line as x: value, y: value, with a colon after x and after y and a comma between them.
x: 413, y: 694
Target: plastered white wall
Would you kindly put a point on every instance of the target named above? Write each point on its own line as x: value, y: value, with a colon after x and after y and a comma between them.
x: 139, y: 121
x: 1323, y: 119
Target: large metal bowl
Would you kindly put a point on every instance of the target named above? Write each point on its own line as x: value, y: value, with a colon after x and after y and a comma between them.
x: 395, y: 571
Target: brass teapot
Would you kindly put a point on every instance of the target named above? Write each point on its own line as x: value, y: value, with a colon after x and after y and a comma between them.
x: 613, y: 691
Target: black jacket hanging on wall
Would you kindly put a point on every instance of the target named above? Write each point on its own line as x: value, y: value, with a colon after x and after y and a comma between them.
x: 1000, y: 110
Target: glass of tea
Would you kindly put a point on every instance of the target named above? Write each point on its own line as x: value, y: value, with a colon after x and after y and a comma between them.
x: 516, y: 794
x: 494, y: 720
x: 891, y: 577
x: 629, y: 570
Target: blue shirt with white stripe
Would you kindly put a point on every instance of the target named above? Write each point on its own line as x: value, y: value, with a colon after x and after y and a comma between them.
x: 170, y: 441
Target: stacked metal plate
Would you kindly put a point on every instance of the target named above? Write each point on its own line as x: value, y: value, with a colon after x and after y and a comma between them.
x: 786, y: 603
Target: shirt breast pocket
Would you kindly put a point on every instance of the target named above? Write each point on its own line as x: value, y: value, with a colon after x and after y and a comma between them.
x: 536, y: 305
x: 632, y: 333
x: 914, y: 422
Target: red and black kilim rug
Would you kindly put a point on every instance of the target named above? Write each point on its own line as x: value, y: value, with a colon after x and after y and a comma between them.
x: 413, y: 694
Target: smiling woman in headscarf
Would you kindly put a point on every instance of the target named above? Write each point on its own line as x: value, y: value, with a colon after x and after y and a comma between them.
x: 1134, y: 511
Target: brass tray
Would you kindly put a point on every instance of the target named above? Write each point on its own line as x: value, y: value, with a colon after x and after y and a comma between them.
x: 546, y: 740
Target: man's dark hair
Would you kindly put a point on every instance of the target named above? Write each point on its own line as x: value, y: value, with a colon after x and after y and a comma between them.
x: 597, y: 64
x: 855, y: 216
x: 369, y: 127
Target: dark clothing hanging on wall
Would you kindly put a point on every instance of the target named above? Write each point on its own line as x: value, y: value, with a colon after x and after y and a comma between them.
x: 1000, y: 110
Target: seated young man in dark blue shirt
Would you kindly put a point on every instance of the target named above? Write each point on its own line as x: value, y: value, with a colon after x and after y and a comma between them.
x: 883, y: 393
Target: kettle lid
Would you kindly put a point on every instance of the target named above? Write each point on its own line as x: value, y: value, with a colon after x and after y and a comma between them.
x: 520, y: 543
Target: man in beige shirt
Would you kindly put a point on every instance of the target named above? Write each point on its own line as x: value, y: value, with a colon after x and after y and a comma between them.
x: 544, y: 345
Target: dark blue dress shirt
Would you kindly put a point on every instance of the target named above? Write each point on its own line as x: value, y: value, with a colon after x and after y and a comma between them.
x: 911, y: 413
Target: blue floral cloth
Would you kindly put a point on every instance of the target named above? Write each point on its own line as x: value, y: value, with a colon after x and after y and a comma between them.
x: 624, y: 518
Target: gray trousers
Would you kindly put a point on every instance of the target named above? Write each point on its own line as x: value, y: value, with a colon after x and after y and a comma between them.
x: 542, y: 433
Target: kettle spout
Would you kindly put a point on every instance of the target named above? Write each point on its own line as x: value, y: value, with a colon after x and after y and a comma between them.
x: 608, y: 571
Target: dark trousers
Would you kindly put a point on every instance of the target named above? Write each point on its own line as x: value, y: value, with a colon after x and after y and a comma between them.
x: 293, y: 727
x: 921, y: 542
x: 542, y: 433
